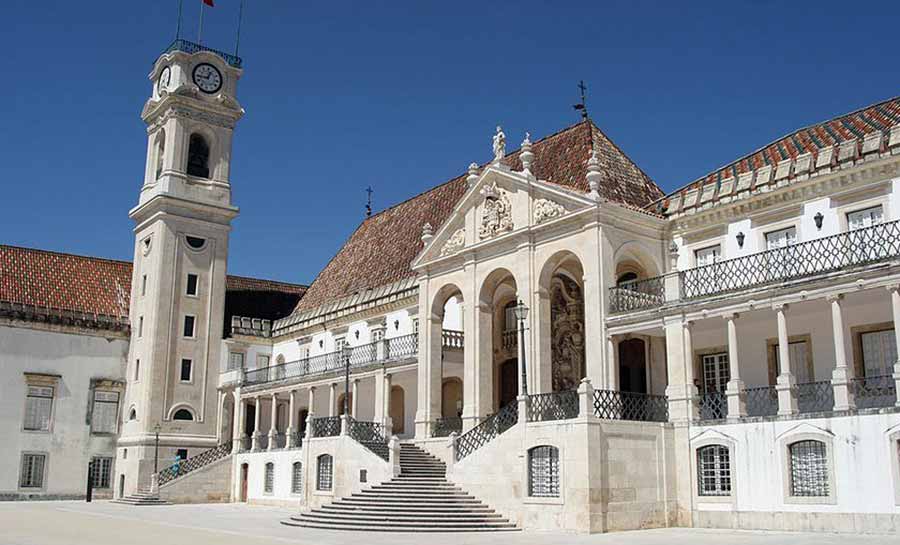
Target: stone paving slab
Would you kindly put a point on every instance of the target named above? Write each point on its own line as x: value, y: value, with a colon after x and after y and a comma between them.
x: 105, y: 523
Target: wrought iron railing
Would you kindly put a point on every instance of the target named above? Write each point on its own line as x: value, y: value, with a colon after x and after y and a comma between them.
x: 858, y: 247
x: 443, y: 427
x: 637, y: 294
x: 370, y: 435
x: 874, y: 392
x: 194, y: 462
x: 279, y: 440
x: 262, y: 441
x: 191, y: 47
x: 487, y: 430
x: 616, y: 405
x: 452, y: 339
x: 713, y: 406
x: 326, y: 426
x: 553, y: 406
x: 762, y: 401
x: 815, y: 397
x: 404, y: 346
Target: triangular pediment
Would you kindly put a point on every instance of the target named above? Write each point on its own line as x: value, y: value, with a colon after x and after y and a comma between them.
x: 498, y: 203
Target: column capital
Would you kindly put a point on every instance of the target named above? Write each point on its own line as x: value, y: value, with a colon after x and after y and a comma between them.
x: 834, y: 297
x: 731, y: 316
x: 892, y: 287
x: 779, y: 307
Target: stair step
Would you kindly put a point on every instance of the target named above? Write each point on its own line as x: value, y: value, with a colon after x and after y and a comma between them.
x: 407, y: 501
x: 403, y: 517
x: 390, y: 526
x: 439, y: 509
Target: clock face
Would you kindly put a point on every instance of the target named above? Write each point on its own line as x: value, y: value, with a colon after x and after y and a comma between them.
x: 164, y: 77
x: 207, y: 78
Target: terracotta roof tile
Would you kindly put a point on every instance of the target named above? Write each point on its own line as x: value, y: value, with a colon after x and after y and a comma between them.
x: 383, y: 247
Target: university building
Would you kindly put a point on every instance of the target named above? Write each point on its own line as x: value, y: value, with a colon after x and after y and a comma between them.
x: 546, y: 342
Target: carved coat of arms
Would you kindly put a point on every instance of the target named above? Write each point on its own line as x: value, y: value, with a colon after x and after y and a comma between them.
x: 496, y: 214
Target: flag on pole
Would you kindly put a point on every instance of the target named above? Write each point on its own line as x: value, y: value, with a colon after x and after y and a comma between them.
x: 209, y: 3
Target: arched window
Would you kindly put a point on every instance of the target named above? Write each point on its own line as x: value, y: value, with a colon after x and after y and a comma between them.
x: 543, y: 472
x: 297, y: 478
x: 160, y: 152
x: 198, y: 157
x: 132, y: 415
x: 269, y: 483
x: 324, y: 472
x: 713, y: 471
x: 809, y: 468
x: 183, y: 414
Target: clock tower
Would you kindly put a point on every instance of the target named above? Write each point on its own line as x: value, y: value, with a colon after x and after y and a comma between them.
x: 182, y: 223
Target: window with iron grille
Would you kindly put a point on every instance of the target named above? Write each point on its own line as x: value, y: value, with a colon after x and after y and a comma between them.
x: 104, y: 412
x: 297, y: 478
x: 713, y: 471
x: 543, y: 472
x: 100, y: 470
x: 38, y: 406
x: 32, y: 472
x: 809, y: 469
x: 324, y: 472
x: 269, y: 484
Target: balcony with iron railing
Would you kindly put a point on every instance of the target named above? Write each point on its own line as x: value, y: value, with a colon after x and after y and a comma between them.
x: 806, y: 260
x: 191, y: 47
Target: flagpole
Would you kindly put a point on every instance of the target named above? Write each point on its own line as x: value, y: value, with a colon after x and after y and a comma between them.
x: 200, y: 30
x: 237, y: 42
x: 178, y: 28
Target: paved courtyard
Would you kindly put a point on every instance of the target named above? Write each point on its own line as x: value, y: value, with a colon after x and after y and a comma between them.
x: 101, y: 523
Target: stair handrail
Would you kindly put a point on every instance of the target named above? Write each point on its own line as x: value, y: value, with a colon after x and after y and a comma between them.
x: 194, y: 462
x: 486, y: 431
x: 370, y: 435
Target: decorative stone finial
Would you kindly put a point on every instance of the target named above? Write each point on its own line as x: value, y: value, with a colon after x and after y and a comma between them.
x: 594, y: 175
x: 527, y: 156
x: 427, y: 233
x: 499, y: 145
x: 473, y: 175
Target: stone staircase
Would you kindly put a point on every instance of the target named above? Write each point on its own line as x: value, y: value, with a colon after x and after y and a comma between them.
x: 420, y: 499
x: 143, y: 496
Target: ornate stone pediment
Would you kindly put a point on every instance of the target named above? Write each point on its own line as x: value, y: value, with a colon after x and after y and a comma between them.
x: 496, y: 212
x: 455, y: 243
x: 546, y: 210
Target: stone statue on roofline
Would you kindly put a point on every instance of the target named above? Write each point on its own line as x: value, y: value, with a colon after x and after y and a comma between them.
x: 499, y: 145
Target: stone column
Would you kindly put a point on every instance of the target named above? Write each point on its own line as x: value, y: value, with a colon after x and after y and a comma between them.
x: 689, y: 378
x: 787, y: 383
x: 595, y: 308
x: 895, y: 309
x: 429, y: 371
x: 737, y: 397
x: 311, y: 407
x: 842, y: 374
x: 332, y: 399
x: 256, y: 420
x: 680, y: 393
x: 541, y: 366
x: 612, y: 358
x: 379, y: 396
x: 220, y: 417
x: 386, y: 407
x: 273, y: 429
x: 354, y: 398
x: 292, y: 417
x: 238, y: 429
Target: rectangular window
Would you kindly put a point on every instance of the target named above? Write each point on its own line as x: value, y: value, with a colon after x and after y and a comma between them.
x: 865, y: 218
x: 339, y: 344
x: 323, y: 472
x: 707, y: 256
x: 798, y: 352
x: 269, y: 481
x: 510, y: 322
x: 262, y: 361
x: 100, y: 470
x: 140, y: 327
x: 137, y: 370
x: 716, y: 372
x: 781, y: 238
x: 38, y: 406
x: 32, y: 472
x: 191, y: 284
x: 809, y: 469
x: 189, y: 326
x: 297, y: 478
x: 181, y: 454
x: 187, y: 368
x: 713, y: 471
x: 105, y: 412
x: 144, y: 285
x: 879, y: 352
x: 235, y: 361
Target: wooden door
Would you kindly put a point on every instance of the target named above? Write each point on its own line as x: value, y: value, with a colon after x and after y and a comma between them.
x: 509, y: 382
x: 397, y: 409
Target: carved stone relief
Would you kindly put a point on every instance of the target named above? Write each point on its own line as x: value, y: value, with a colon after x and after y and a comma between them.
x: 567, y: 333
x: 496, y: 214
x: 455, y: 243
x: 545, y: 210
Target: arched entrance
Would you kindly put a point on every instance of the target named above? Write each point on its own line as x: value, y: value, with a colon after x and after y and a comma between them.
x: 560, y: 325
x: 397, y: 409
x: 451, y: 398
x: 633, y: 366
x: 498, y: 342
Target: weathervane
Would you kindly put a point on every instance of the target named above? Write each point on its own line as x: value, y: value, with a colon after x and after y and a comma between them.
x: 582, y: 106
x: 369, y: 201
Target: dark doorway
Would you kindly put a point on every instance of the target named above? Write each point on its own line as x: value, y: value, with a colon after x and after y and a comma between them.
x: 509, y: 383
x: 633, y: 366
x: 121, y: 486
x: 250, y: 420
x: 245, y: 469
x: 304, y: 416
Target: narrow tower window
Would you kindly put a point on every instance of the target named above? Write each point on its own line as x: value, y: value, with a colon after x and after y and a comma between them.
x: 198, y: 157
x: 191, y: 284
x: 160, y: 152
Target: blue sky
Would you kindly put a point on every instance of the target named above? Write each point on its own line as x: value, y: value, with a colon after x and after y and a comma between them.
x: 403, y: 96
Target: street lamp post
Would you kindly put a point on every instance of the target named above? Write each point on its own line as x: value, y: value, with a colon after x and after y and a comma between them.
x: 521, y: 312
x: 156, y: 429
x: 346, y: 351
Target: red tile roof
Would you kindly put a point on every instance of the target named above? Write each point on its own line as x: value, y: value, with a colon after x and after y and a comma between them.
x: 383, y: 247
x: 853, y: 126
x: 56, y: 281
